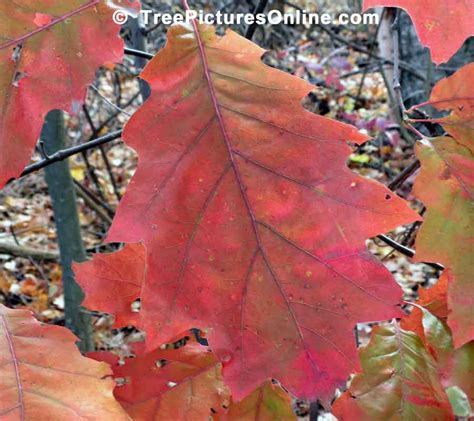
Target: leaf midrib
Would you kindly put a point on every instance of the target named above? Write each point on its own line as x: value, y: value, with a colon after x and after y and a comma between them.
x: 8, y: 337
x: 243, y: 189
x: 54, y: 22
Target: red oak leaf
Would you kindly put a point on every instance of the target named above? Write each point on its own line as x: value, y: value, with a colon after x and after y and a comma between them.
x: 399, y: 381
x: 456, y: 94
x: 169, y: 384
x: 433, y: 299
x: 446, y: 186
x: 442, y: 25
x: 255, y: 228
x: 44, y: 376
x: 455, y: 366
x: 49, y: 53
x: 113, y: 282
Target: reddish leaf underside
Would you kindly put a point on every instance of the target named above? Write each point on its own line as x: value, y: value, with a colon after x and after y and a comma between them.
x: 49, y: 53
x: 170, y: 384
x: 455, y: 366
x: 446, y: 187
x: 441, y: 25
x: 255, y: 228
x: 43, y: 375
x: 435, y: 300
x: 399, y: 381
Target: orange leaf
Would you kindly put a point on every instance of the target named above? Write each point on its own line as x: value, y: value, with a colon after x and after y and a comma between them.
x: 44, y: 376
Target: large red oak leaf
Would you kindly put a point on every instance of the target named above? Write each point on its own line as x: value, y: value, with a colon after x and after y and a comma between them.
x: 49, y: 53
x: 43, y: 376
x: 442, y: 25
x: 255, y: 229
x: 169, y: 384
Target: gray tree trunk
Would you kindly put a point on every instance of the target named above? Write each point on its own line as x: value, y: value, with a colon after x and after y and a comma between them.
x: 61, y: 190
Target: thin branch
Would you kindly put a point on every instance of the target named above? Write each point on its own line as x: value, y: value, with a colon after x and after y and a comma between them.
x: 111, y: 117
x: 109, y: 102
x: 92, y: 204
x: 371, y: 50
x: 92, y: 174
x: 404, y: 175
x: 397, y: 88
x: 138, y: 53
x: 363, y: 50
x: 66, y: 153
x: 105, y: 206
x: 13, y: 249
x: 405, y: 250
x: 262, y: 4
x: 103, y: 154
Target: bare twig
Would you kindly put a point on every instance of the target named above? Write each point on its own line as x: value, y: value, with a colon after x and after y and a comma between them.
x: 96, y: 199
x: 405, y: 250
x: 363, y: 50
x: 138, y: 53
x: 92, y: 174
x: 396, y: 64
x: 109, y: 102
x: 103, y: 154
x: 13, y: 249
x: 262, y: 4
x: 371, y: 50
x: 66, y: 153
x: 404, y: 175
x: 91, y: 203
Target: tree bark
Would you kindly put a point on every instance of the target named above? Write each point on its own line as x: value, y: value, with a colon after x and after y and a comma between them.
x: 61, y: 190
x: 138, y: 40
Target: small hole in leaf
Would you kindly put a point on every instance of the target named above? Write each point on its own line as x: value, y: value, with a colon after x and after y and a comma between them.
x: 160, y: 363
x: 122, y: 381
x: 16, y: 79
x: 136, y: 306
x: 388, y: 196
x: 17, y: 52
